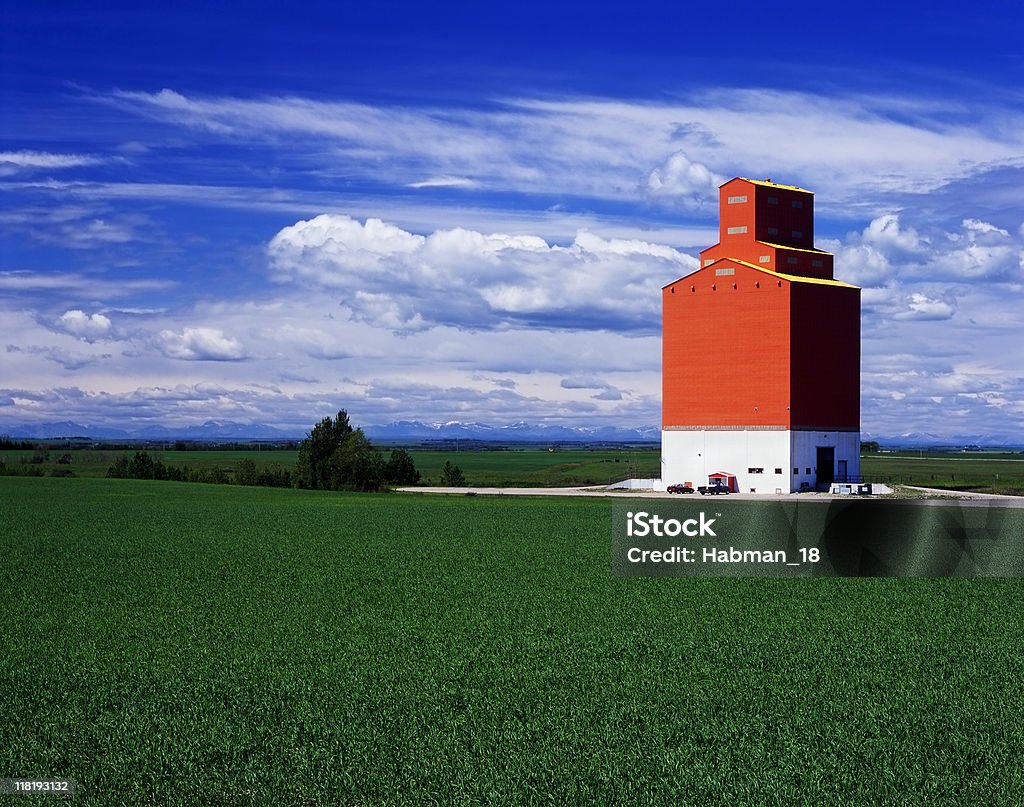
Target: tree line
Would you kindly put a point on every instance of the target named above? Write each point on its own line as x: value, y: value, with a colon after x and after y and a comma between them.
x: 334, y: 456
x: 143, y: 466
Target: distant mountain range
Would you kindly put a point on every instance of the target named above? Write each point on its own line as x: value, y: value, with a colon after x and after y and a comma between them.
x: 415, y: 430
x: 219, y: 430
x: 929, y: 440
x: 211, y: 430
x: 513, y: 432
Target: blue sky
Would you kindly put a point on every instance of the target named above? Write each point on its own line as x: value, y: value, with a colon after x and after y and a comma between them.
x: 463, y: 212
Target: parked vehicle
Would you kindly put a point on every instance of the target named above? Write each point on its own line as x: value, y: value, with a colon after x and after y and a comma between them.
x: 677, y: 488
x: 714, y: 490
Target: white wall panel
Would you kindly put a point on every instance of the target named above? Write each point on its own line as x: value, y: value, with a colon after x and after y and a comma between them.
x: 690, y: 456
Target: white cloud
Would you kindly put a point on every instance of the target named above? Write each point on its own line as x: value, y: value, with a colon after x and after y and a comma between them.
x: 12, y: 162
x: 983, y: 230
x: 695, y: 184
x: 84, y: 326
x: 67, y: 359
x: 888, y: 251
x: 980, y: 250
x: 311, y: 360
x: 603, y: 390
x: 583, y: 382
x: 554, y: 224
x: 860, y: 264
x: 200, y: 344
x: 939, y: 290
x: 886, y: 234
x: 28, y: 282
x: 920, y: 306
x: 444, y: 182
x: 395, y: 279
x: 977, y: 261
x: 842, y: 147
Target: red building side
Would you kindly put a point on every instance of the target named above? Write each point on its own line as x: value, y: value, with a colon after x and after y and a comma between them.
x: 774, y: 257
x: 762, y: 335
x: 825, y: 357
x: 785, y: 215
x: 765, y: 211
x: 770, y: 226
x: 726, y: 349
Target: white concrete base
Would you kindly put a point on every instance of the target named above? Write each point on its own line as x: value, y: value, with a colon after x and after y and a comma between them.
x: 763, y: 461
x: 637, y: 484
x: 805, y: 456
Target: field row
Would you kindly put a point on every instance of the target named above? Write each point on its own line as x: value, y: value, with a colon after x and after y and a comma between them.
x: 177, y: 643
x: 1002, y: 473
x: 485, y: 468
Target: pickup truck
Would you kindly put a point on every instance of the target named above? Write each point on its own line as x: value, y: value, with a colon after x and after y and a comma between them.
x: 713, y: 490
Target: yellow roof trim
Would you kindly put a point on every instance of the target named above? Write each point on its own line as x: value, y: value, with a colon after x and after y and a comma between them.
x: 774, y: 185
x: 794, y: 249
x: 790, y: 278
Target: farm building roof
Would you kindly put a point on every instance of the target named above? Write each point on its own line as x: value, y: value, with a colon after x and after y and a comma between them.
x: 770, y: 273
x: 769, y: 184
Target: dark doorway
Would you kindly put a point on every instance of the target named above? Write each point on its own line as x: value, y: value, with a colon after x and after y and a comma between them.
x: 826, y: 465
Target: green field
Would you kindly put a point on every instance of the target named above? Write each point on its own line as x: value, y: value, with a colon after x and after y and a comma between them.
x: 542, y: 468
x: 94, y: 462
x: 173, y: 643
x: 996, y: 472
x: 988, y: 472
x: 518, y: 468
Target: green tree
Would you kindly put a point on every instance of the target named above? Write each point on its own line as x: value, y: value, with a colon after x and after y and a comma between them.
x: 245, y: 473
x: 400, y: 469
x: 140, y: 466
x: 313, y: 469
x: 337, y: 457
x: 357, y: 465
x: 216, y: 476
x: 452, y: 476
x: 119, y: 470
x: 275, y: 476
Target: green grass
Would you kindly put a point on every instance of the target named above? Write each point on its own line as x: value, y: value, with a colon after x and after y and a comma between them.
x: 989, y: 472
x: 528, y: 468
x: 542, y: 468
x: 998, y: 472
x: 173, y: 643
x: 94, y: 462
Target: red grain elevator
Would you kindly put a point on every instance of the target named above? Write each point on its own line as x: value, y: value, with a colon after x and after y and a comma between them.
x: 761, y: 352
